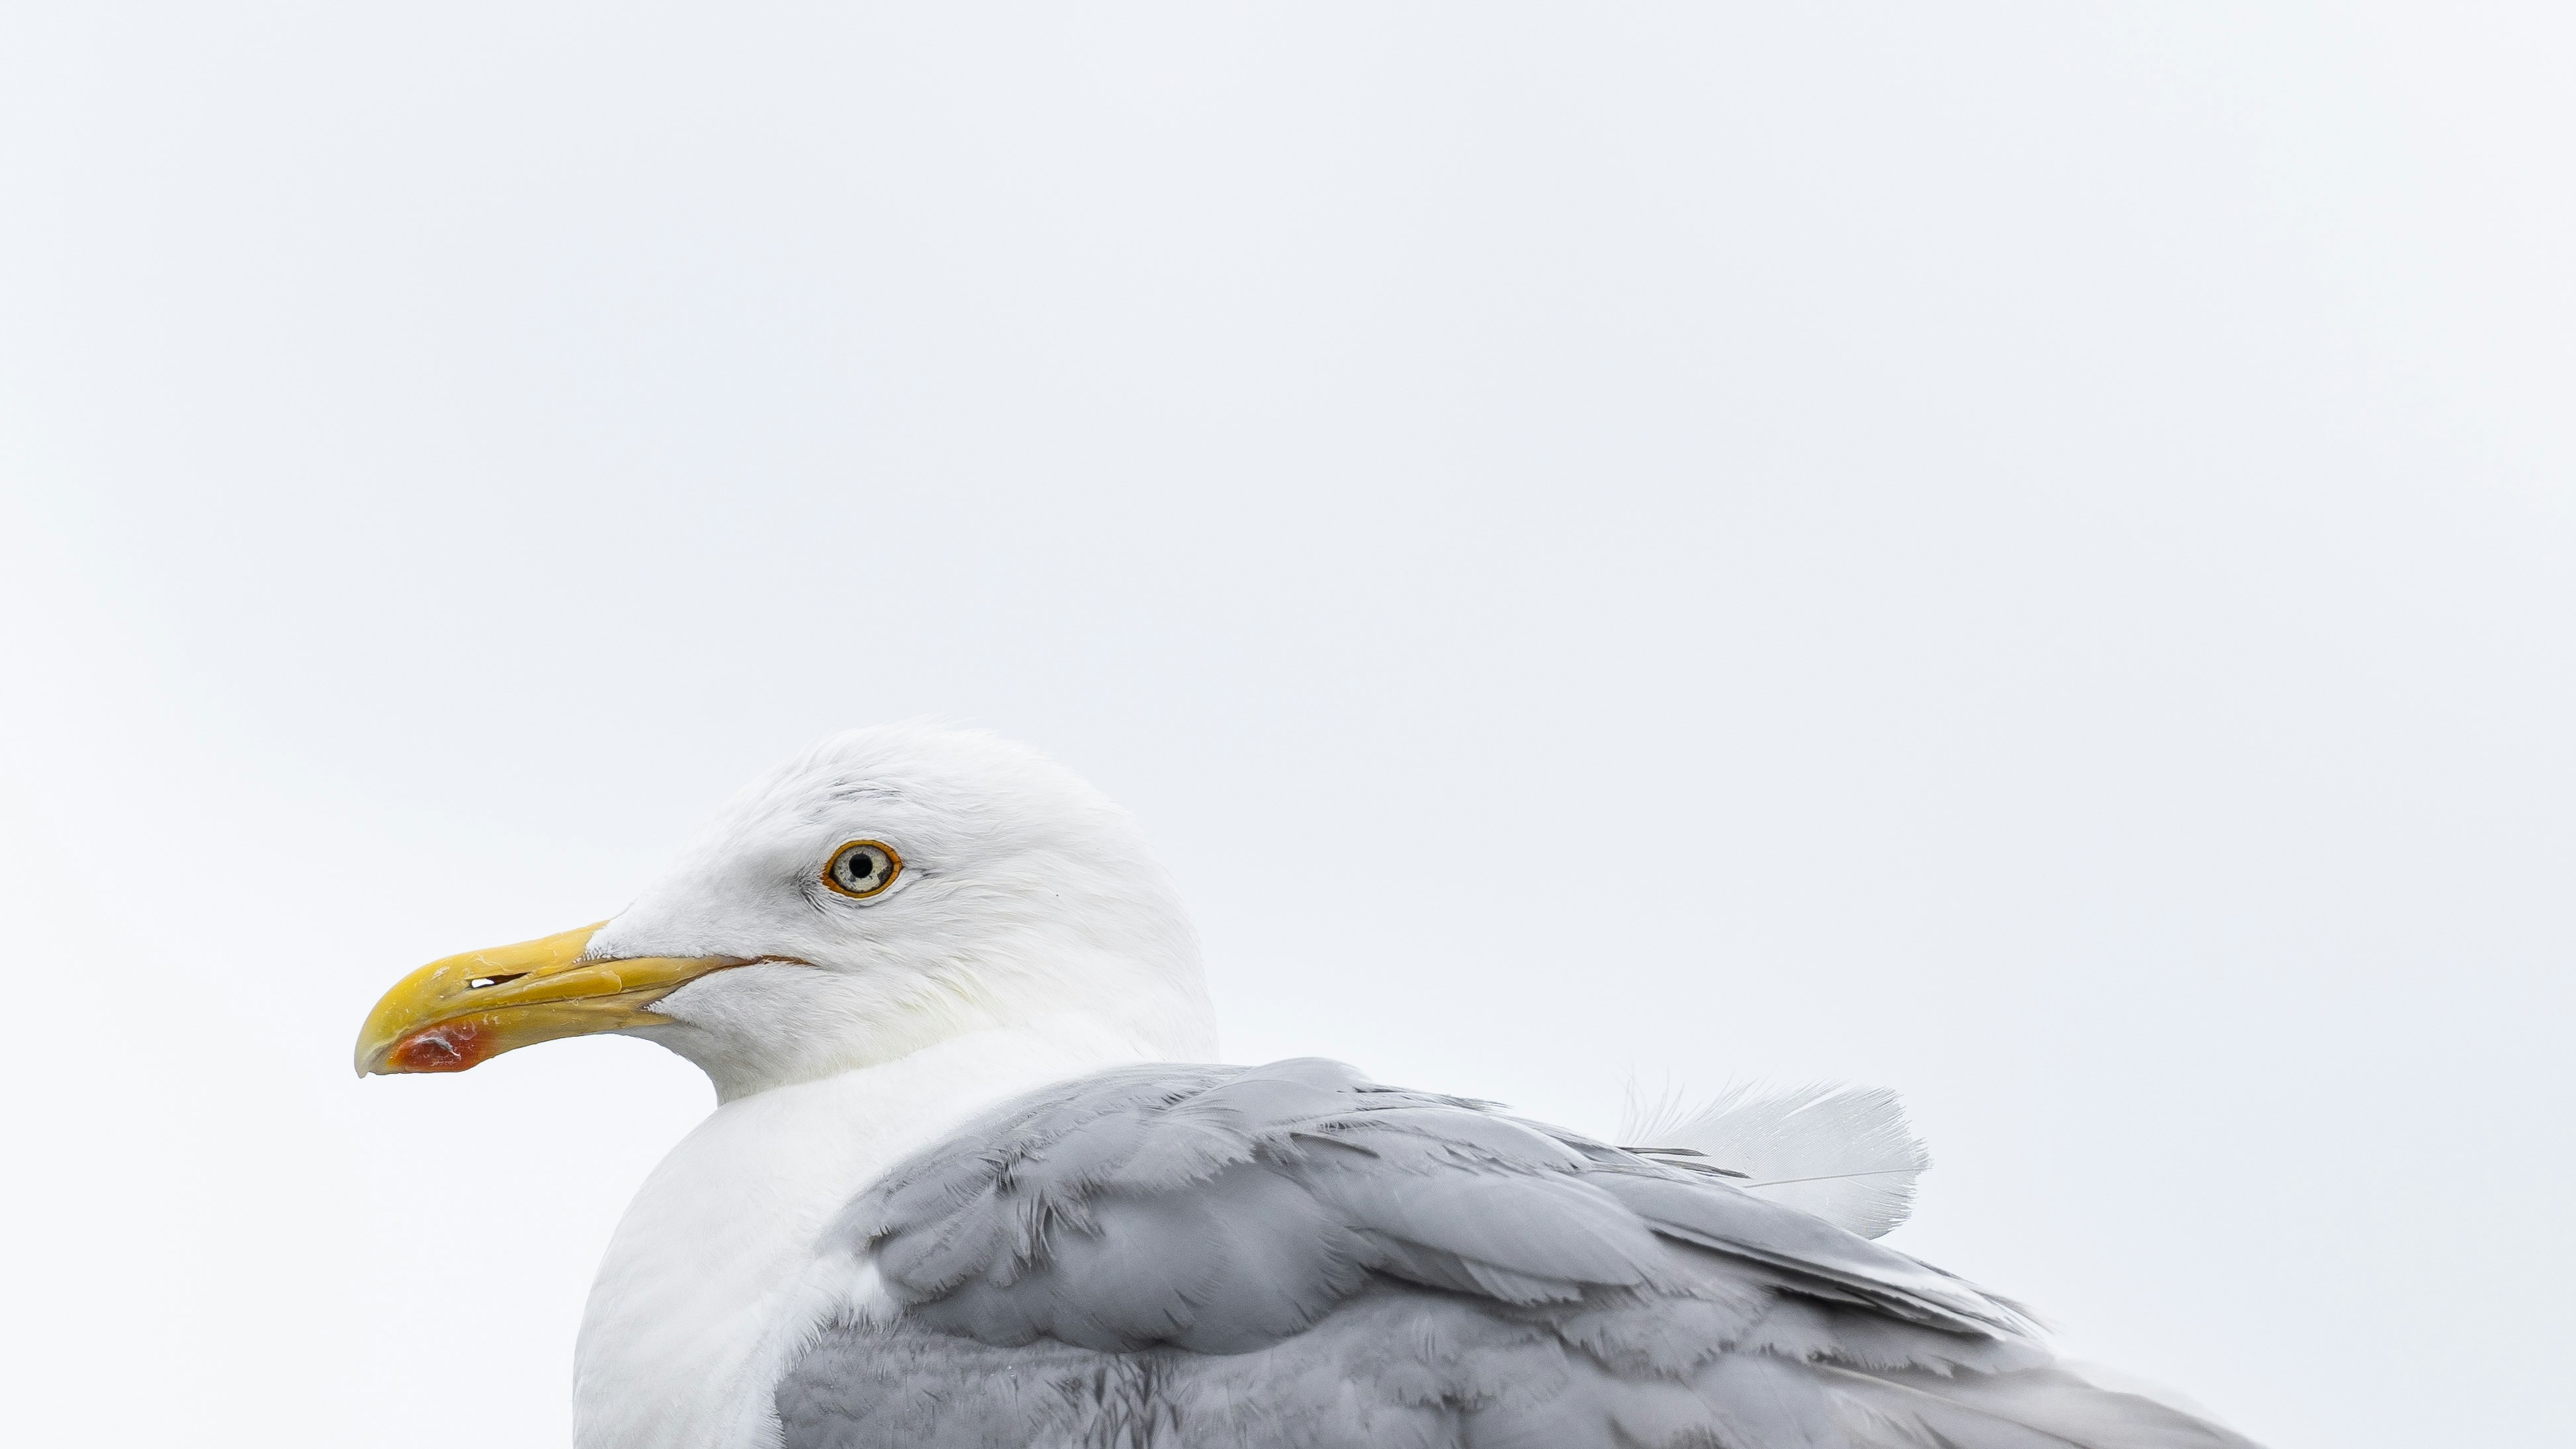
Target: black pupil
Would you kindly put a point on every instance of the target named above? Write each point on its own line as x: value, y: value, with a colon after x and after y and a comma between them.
x: 860, y: 866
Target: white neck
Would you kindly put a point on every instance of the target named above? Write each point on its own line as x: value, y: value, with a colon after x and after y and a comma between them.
x: 712, y: 1278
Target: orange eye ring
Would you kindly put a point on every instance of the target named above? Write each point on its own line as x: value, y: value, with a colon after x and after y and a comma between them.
x: 860, y: 869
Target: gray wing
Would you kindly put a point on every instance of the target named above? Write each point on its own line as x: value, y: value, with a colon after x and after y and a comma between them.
x: 1186, y: 1257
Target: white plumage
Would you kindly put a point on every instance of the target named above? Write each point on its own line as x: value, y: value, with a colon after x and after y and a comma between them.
x: 1842, y: 1153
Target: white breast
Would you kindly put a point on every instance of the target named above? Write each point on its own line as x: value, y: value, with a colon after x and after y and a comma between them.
x: 713, y: 1279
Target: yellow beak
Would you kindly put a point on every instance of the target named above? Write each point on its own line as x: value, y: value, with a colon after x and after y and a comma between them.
x: 466, y: 1010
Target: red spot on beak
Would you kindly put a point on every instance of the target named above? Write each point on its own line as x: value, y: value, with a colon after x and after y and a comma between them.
x: 448, y: 1047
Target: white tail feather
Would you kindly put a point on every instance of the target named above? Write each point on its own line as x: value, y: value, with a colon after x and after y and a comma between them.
x: 1845, y: 1154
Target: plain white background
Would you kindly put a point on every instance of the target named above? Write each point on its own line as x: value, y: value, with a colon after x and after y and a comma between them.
x: 2021, y: 553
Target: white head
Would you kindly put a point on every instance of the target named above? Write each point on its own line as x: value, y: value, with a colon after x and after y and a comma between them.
x: 889, y: 889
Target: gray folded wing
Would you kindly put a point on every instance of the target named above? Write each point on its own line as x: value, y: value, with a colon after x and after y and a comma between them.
x: 1256, y: 1258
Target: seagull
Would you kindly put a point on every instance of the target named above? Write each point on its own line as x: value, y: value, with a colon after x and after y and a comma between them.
x: 975, y: 1179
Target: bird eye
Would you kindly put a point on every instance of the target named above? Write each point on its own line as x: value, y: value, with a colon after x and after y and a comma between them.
x: 862, y: 868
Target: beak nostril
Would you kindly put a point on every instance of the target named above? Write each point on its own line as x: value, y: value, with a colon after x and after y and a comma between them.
x: 480, y: 982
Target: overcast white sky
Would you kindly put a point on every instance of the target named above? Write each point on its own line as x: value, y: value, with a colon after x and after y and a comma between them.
x: 2022, y: 554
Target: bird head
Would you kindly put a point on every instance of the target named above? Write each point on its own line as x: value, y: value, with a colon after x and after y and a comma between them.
x: 890, y: 889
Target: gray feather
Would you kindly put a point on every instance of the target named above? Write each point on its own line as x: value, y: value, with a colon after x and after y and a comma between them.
x: 1291, y: 1257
